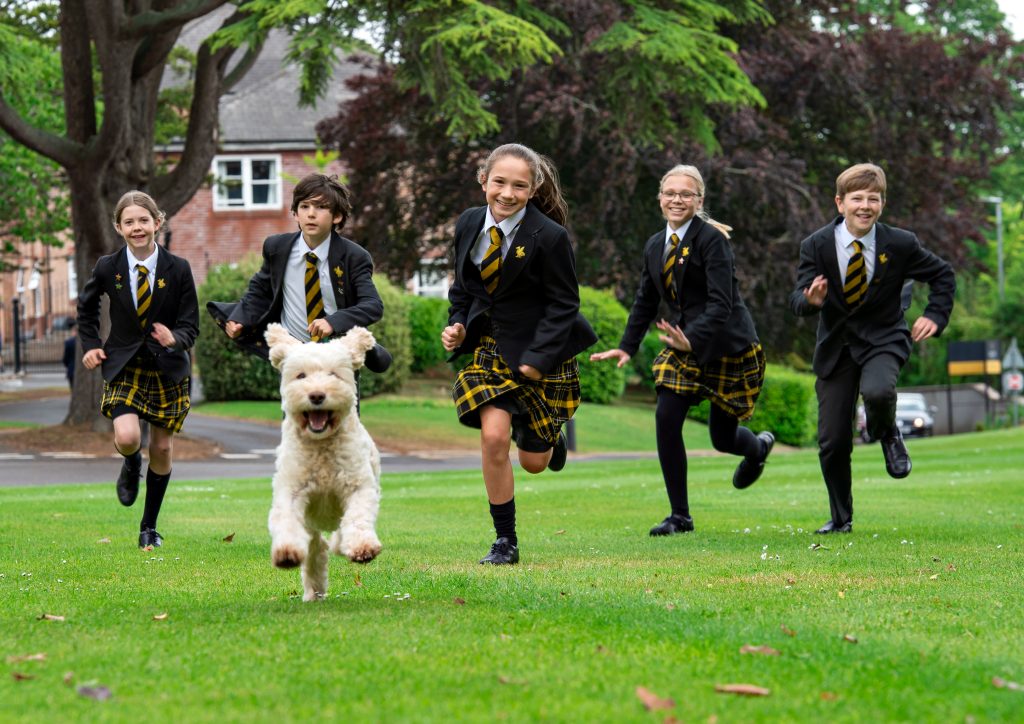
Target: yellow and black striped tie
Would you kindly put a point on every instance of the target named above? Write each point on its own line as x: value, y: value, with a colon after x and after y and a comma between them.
x: 668, y: 272
x: 143, y: 294
x: 314, y: 299
x: 856, y: 284
x: 490, y: 268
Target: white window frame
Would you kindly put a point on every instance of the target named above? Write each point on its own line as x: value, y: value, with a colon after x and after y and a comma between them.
x: 220, y: 202
x: 437, y: 269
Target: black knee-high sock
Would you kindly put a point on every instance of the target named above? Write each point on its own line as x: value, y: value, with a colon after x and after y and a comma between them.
x: 156, y: 486
x: 504, y: 517
x: 134, y: 460
x: 727, y: 435
x: 669, y: 417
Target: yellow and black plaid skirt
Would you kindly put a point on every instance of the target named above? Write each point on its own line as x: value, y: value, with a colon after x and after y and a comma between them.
x: 143, y: 389
x: 732, y: 383
x: 545, y: 405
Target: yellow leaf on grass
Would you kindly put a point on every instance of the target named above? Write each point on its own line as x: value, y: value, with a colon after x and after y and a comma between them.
x: 26, y: 657
x: 653, y: 702
x: 103, y: 540
x: 764, y: 650
x: 850, y: 638
x: 742, y: 689
x: 161, y: 616
x: 50, y: 617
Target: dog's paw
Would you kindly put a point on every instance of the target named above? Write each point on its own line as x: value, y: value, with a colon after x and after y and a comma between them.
x: 286, y: 556
x: 363, y: 551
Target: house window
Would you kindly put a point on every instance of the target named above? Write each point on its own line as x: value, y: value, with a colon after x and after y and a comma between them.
x: 431, y: 279
x: 247, y: 182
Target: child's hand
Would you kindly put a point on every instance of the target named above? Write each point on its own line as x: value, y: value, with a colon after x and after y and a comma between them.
x: 530, y: 372
x: 232, y: 329
x: 673, y: 336
x: 815, y: 294
x: 923, y: 329
x: 319, y: 328
x: 616, y: 354
x: 452, y: 336
x: 92, y: 359
x: 163, y: 335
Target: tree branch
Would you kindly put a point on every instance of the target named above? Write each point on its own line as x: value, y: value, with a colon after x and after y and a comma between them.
x: 59, y: 149
x: 158, y: 21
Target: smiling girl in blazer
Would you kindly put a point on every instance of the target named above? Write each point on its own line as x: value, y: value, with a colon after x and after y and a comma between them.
x: 154, y: 321
x: 713, y: 351
x: 515, y: 306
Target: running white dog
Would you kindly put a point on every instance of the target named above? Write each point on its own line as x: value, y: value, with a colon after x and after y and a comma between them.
x: 328, y: 469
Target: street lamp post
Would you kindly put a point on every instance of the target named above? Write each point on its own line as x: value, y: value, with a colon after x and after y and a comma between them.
x: 998, y: 201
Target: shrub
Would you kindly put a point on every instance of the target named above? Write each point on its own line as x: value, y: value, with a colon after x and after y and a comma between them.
x: 226, y: 371
x: 392, y: 331
x: 787, y: 406
x: 602, y: 382
x: 427, y: 317
x: 643, y: 360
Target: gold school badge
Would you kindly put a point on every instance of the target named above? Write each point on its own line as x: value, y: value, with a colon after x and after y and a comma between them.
x: 520, y: 252
x: 161, y: 283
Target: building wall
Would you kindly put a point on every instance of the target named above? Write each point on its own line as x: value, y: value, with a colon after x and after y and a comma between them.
x: 207, y: 237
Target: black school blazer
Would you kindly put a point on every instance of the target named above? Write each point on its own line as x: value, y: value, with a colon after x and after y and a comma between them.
x: 173, y: 304
x: 535, y: 311
x: 710, y: 311
x: 351, y: 267
x: 877, y: 325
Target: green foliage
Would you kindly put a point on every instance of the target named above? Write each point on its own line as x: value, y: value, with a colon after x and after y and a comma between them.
x: 427, y: 317
x: 392, y: 331
x: 602, y: 382
x: 788, y: 406
x: 227, y: 372
x: 643, y: 360
x: 33, y: 196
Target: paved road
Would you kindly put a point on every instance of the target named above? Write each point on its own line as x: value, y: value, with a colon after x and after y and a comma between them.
x: 248, y: 448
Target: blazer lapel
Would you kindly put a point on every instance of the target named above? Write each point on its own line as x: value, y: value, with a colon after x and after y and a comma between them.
x: 882, y: 260
x: 521, y: 251
x: 683, y: 258
x: 830, y: 260
x: 158, y: 283
x: 336, y: 270
x: 123, y: 282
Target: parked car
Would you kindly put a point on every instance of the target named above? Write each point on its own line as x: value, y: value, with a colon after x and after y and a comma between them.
x: 914, y: 416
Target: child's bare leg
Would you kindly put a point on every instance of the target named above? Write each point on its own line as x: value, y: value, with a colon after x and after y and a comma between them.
x: 495, y: 441
x: 127, y: 434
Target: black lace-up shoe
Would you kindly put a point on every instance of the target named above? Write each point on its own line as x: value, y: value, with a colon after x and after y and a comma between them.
x: 675, y: 523
x: 128, y: 479
x: 149, y: 538
x: 503, y: 553
x: 747, y: 472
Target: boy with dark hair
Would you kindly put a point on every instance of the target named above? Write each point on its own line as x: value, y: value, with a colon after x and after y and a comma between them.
x: 852, y: 274
x: 317, y: 283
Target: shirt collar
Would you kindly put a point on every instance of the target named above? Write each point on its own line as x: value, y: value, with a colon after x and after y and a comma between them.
x: 149, y: 262
x: 846, y: 238
x: 680, y: 232
x: 508, y: 225
x: 321, y: 250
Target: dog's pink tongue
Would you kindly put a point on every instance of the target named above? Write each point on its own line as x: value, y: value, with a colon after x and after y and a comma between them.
x: 318, y: 420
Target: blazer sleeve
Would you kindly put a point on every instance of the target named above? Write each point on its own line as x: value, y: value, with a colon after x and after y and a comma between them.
x: 806, y: 271
x: 719, y: 272
x: 562, y: 304
x: 368, y: 307
x: 186, y: 328
x: 89, y: 310
x: 259, y: 296
x: 459, y: 300
x: 924, y: 266
x: 644, y: 309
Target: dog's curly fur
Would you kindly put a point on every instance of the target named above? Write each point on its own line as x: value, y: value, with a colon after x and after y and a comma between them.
x: 328, y: 469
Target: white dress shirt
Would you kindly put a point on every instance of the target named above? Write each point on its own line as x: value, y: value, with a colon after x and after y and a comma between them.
x: 293, y: 315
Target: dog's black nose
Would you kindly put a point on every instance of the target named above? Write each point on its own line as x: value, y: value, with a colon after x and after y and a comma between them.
x: 317, y: 398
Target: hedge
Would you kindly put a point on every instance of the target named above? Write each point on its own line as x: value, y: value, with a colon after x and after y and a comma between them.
x: 427, y: 317
x: 392, y: 331
x: 602, y: 382
x: 788, y: 406
x: 226, y: 371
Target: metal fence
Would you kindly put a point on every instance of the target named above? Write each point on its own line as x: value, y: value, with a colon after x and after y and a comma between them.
x: 37, y: 342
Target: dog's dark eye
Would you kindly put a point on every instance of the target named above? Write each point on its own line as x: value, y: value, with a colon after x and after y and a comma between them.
x: 300, y: 376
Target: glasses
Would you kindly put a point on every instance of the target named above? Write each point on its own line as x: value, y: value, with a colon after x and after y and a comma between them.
x: 679, y: 195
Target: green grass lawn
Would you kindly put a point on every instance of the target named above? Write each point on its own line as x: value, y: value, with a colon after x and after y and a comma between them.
x: 927, y: 589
